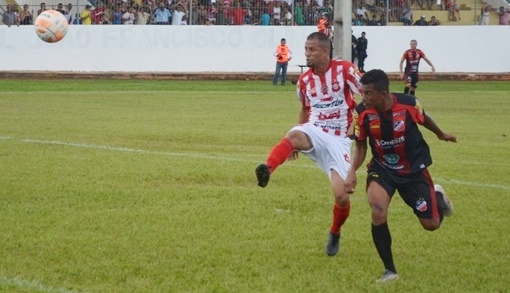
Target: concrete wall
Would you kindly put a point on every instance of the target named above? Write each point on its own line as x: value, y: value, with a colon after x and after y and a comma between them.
x: 184, y: 49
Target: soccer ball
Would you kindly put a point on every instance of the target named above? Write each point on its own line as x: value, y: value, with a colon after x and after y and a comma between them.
x: 51, y: 26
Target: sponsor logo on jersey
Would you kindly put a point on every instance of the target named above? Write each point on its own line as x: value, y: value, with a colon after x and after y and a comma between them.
x: 391, y: 158
x: 329, y: 116
x: 393, y: 167
x: 329, y: 105
x: 390, y: 143
x: 372, y: 117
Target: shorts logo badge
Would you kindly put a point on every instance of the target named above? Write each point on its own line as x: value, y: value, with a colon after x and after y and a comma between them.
x: 421, y: 205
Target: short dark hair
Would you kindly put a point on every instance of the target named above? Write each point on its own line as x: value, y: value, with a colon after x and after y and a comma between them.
x: 321, y: 37
x: 378, y: 78
x: 283, y: 39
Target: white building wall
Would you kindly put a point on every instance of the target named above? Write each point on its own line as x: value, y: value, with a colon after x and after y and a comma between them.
x: 184, y: 49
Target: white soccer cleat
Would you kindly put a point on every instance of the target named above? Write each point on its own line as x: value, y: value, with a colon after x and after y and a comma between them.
x: 387, y: 276
x: 448, y: 205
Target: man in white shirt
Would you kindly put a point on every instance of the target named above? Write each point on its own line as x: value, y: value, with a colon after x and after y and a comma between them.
x: 178, y: 14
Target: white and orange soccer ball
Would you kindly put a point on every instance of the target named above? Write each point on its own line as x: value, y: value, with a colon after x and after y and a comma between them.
x: 51, y: 26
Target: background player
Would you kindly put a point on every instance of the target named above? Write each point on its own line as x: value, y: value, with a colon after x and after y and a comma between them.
x: 412, y: 58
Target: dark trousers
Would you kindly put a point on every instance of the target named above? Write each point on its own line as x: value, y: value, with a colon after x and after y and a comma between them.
x: 283, y: 68
x: 362, y: 55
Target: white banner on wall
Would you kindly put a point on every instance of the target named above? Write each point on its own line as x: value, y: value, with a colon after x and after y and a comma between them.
x: 185, y: 49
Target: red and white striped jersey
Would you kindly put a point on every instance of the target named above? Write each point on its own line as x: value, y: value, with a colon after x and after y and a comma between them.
x: 329, y: 98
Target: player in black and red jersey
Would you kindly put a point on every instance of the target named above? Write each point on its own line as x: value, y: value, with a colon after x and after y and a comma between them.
x: 400, y: 157
x: 412, y: 58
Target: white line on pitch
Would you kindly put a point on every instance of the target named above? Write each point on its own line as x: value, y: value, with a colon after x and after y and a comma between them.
x: 130, y: 150
x: 32, y: 285
x: 201, y: 156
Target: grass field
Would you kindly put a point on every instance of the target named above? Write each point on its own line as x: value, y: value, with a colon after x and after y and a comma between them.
x: 149, y: 186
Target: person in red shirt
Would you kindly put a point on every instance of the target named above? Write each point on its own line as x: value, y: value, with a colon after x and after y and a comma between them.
x: 400, y: 158
x: 412, y: 58
x: 326, y: 93
x: 237, y: 14
x: 97, y: 14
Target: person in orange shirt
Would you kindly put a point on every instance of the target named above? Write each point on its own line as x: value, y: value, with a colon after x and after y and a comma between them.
x: 324, y: 26
x: 283, y: 55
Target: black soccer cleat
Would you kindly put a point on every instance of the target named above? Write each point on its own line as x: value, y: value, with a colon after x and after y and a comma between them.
x: 333, y: 245
x: 263, y: 174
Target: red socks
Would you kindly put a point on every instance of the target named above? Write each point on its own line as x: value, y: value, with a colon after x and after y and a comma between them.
x: 340, y: 214
x: 279, y: 154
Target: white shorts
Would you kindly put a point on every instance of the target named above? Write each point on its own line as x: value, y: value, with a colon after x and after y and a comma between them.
x: 328, y: 151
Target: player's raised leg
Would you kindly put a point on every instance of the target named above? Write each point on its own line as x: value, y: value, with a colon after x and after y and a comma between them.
x: 285, y: 149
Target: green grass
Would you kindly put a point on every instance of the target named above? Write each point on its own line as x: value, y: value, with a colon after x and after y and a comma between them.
x: 149, y: 186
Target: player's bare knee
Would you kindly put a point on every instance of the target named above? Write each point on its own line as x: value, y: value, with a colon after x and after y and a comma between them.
x: 431, y: 225
x: 342, y: 199
x: 299, y: 139
x: 379, y: 215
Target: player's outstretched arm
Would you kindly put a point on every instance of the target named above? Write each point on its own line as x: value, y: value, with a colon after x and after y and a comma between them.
x: 401, y: 72
x: 431, y: 125
x: 303, y: 115
x: 358, y: 157
x: 430, y: 64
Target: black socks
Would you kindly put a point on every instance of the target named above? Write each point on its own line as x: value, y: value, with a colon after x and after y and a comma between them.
x: 382, y: 240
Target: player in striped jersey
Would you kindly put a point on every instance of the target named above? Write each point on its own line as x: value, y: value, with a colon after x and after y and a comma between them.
x: 411, y: 75
x: 326, y: 92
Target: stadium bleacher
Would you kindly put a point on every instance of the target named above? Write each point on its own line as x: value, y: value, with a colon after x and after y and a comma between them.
x: 469, y: 9
x: 469, y: 13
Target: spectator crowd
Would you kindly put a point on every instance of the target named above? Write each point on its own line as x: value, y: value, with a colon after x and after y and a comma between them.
x: 241, y: 12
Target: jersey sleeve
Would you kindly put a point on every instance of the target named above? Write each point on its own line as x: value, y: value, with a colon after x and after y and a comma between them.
x: 352, y: 77
x: 417, y: 112
x: 413, y: 106
x: 422, y: 55
x: 359, y: 132
x: 301, y: 93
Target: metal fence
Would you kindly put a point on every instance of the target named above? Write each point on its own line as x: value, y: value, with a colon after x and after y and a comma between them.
x: 267, y: 12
